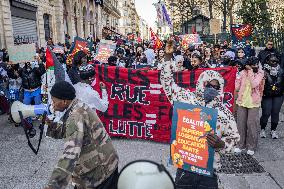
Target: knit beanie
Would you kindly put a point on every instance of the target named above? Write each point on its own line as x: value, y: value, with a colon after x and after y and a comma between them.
x: 63, y: 90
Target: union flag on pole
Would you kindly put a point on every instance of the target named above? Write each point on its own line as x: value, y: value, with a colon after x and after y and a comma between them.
x: 155, y: 39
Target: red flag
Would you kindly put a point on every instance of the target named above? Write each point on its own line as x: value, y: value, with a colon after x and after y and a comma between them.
x: 131, y: 37
x: 157, y: 42
x: 49, y: 58
x: 139, y: 40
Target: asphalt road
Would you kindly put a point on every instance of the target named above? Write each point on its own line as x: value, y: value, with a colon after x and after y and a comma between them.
x: 21, y: 169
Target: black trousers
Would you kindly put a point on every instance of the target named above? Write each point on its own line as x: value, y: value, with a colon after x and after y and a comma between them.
x: 270, y: 106
x: 187, y: 180
x: 110, y: 182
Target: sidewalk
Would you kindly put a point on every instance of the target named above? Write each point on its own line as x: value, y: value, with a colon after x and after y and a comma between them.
x: 270, y: 155
x: 21, y: 169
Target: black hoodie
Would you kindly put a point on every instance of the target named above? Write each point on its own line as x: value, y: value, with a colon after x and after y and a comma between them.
x: 264, y: 53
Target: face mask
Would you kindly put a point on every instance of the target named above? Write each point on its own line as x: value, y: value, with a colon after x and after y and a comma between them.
x: 274, y: 71
x: 209, y: 94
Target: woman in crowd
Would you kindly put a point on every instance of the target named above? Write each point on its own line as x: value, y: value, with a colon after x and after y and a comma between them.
x: 273, y: 94
x: 169, y: 50
x: 196, y: 62
x: 241, y: 58
x: 179, y: 63
x: 209, y: 92
x: 208, y: 58
x: 250, y: 86
x: 161, y: 55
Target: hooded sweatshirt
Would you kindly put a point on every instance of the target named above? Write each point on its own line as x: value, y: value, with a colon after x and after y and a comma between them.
x: 226, y: 127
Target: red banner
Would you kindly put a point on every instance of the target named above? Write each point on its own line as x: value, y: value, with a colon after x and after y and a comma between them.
x: 138, y: 106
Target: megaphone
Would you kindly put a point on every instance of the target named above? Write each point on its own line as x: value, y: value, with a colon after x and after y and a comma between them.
x: 145, y: 174
x: 27, y: 110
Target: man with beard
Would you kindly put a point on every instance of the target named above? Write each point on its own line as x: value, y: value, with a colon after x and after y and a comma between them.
x: 267, y: 51
x: 89, y: 158
x: 209, y: 92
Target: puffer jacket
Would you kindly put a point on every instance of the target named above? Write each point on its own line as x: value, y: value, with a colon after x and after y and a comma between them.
x: 32, y: 79
x: 274, y: 85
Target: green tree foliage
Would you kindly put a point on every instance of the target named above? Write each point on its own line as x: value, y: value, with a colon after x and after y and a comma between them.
x: 256, y: 13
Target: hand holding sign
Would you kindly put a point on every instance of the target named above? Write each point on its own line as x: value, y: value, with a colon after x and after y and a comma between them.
x: 214, y: 141
x: 190, y: 150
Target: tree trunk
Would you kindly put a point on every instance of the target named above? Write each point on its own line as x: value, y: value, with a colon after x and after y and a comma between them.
x: 231, y: 4
x: 264, y: 8
x: 210, y: 7
x: 225, y: 15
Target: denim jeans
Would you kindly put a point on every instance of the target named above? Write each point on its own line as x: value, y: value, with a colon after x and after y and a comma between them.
x: 187, y: 180
x: 29, y: 96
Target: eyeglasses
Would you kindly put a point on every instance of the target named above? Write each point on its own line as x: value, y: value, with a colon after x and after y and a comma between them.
x: 270, y: 44
x: 217, y: 87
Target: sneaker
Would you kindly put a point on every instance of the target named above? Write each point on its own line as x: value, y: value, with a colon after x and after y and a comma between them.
x: 262, y: 133
x: 250, y: 152
x: 237, y: 150
x: 274, y: 135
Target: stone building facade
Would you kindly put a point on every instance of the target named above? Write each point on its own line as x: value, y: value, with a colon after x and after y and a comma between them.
x: 34, y: 21
x: 129, y: 21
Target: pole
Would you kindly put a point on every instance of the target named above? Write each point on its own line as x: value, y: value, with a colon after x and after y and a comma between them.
x: 225, y: 15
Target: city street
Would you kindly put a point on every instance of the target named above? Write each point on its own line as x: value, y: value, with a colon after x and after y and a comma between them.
x: 21, y: 169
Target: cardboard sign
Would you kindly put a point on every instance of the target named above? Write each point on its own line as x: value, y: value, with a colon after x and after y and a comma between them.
x: 104, y: 51
x: 190, y: 39
x: 189, y: 148
x: 78, y: 45
x: 215, y: 26
x: 138, y: 106
x: 22, y: 53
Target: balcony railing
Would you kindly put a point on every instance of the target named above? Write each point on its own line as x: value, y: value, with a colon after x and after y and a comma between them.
x: 111, y: 8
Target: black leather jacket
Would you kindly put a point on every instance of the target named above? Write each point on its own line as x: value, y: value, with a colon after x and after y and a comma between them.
x: 274, y: 85
x: 31, y: 79
x: 77, y: 75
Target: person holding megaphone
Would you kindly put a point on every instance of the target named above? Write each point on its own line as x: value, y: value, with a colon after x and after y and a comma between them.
x: 89, y: 156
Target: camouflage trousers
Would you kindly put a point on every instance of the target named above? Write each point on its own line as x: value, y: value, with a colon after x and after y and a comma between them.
x: 109, y: 183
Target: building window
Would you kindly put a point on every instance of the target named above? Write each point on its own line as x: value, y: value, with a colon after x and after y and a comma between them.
x: 46, y: 20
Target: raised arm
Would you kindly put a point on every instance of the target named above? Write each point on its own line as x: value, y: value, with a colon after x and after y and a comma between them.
x: 172, y: 90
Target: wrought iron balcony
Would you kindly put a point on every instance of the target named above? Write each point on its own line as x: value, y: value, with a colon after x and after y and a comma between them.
x: 110, y: 8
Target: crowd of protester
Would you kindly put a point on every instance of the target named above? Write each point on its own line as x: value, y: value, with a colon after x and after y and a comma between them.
x: 259, y: 82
